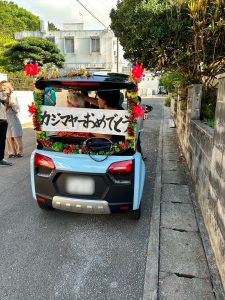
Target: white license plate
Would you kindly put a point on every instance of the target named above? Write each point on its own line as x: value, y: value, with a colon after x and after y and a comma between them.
x: 81, y: 185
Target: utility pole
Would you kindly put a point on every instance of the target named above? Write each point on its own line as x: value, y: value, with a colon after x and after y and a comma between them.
x: 117, y: 56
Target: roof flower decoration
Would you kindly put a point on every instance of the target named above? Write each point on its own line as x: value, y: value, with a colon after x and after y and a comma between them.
x: 31, y: 69
x: 78, y: 73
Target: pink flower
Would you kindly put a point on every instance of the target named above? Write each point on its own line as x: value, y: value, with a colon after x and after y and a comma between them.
x: 137, y: 111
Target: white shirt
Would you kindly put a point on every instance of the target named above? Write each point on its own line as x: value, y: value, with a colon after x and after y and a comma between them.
x: 2, y: 108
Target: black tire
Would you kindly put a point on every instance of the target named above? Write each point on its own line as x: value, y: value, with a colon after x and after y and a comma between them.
x: 43, y: 205
x: 137, y: 213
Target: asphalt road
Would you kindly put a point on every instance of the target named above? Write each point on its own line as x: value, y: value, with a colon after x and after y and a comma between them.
x: 48, y: 255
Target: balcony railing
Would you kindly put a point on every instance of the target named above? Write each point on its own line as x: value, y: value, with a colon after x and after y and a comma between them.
x: 91, y: 66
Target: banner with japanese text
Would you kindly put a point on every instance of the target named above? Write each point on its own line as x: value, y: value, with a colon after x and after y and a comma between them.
x: 71, y: 119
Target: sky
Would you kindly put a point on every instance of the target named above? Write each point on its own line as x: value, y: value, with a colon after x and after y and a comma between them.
x: 70, y: 11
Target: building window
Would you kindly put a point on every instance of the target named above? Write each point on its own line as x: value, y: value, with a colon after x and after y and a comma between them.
x: 95, y: 44
x: 69, y: 45
x: 51, y: 39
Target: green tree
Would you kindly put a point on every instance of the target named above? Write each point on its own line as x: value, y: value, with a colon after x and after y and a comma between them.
x: 13, y: 18
x: 5, y: 41
x: 185, y: 36
x: 171, y: 79
x: 51, y: 27
x: 37, y: 49
x: 152, y: 31
x: 207, y: 47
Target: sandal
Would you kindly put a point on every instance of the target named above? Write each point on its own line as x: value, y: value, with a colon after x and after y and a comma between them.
x: 19, y: 155
x: 11, y: 155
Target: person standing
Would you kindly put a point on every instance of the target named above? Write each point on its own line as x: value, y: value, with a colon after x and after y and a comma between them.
x: 3, y: 126
x: 14, y: 131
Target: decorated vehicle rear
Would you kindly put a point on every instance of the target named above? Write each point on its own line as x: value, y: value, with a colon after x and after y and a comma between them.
x: 86, y: 159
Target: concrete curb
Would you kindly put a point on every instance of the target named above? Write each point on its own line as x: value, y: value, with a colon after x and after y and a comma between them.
x: 152, y: 264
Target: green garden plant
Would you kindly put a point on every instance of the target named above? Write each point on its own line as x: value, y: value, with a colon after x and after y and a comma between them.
x: 167, y: 102
x: 35, y: 48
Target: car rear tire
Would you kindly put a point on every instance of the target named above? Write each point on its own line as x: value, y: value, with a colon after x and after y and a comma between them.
x: 137, y: 213
x: 43, y: 205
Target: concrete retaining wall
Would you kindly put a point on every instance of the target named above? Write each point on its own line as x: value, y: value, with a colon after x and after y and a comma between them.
x: 181, y: 121
x: 24, y: 98
x: 204, y: 149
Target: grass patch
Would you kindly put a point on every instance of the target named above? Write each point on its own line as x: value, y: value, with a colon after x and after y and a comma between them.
x: 209, y: 122
x: 167, y: 102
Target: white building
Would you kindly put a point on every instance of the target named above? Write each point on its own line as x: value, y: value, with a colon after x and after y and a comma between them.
x: 91, y: 49
x: 149, y: 84
x: 3, y: 76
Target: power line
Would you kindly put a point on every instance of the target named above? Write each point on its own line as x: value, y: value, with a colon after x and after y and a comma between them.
x: 111, y: 4
x: 90, y: 13
x: 106, y: 5
x: 97, y: 11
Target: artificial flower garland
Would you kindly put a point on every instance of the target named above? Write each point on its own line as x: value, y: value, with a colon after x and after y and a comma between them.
x: 134, y: 110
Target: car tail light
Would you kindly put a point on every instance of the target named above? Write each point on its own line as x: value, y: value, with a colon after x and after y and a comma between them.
x: 43, y: 161
x: 76, y: 83
x: 125, y: 166
x: 41, y: 199
x: 124, y: 208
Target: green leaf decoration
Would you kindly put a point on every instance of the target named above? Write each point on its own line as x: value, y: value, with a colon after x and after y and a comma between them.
x: 57, y: 146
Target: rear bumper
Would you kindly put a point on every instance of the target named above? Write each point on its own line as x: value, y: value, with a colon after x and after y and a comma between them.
x: 86, y: 206
x: 81, y: 205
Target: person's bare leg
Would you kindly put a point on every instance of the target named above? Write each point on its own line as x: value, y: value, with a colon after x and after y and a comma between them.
x: 19, y: 146
x: 10, y: 146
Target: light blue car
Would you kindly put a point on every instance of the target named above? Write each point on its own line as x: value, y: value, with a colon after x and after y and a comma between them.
x: 82, y: 171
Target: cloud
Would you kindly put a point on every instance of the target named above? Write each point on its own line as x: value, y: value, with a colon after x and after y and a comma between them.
x: 70, y: 11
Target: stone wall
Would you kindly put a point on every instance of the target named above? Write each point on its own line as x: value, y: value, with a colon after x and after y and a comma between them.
x: 198, y: 154
x: 204, y: 149
x: 217, y: 181
x: 181, y: 125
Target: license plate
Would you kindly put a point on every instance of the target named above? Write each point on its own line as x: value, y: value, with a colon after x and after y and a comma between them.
x: 81, y: 185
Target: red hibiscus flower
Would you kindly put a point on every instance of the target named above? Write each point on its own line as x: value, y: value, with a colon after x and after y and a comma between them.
x: 31, y: 69
x: 45, y: 142
x: 137, y: 72
x: 137, y: 111
x: 65, y: 151
x: 31, y: 109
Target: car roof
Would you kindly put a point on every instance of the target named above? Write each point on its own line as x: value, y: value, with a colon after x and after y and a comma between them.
x: 111, y: 81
